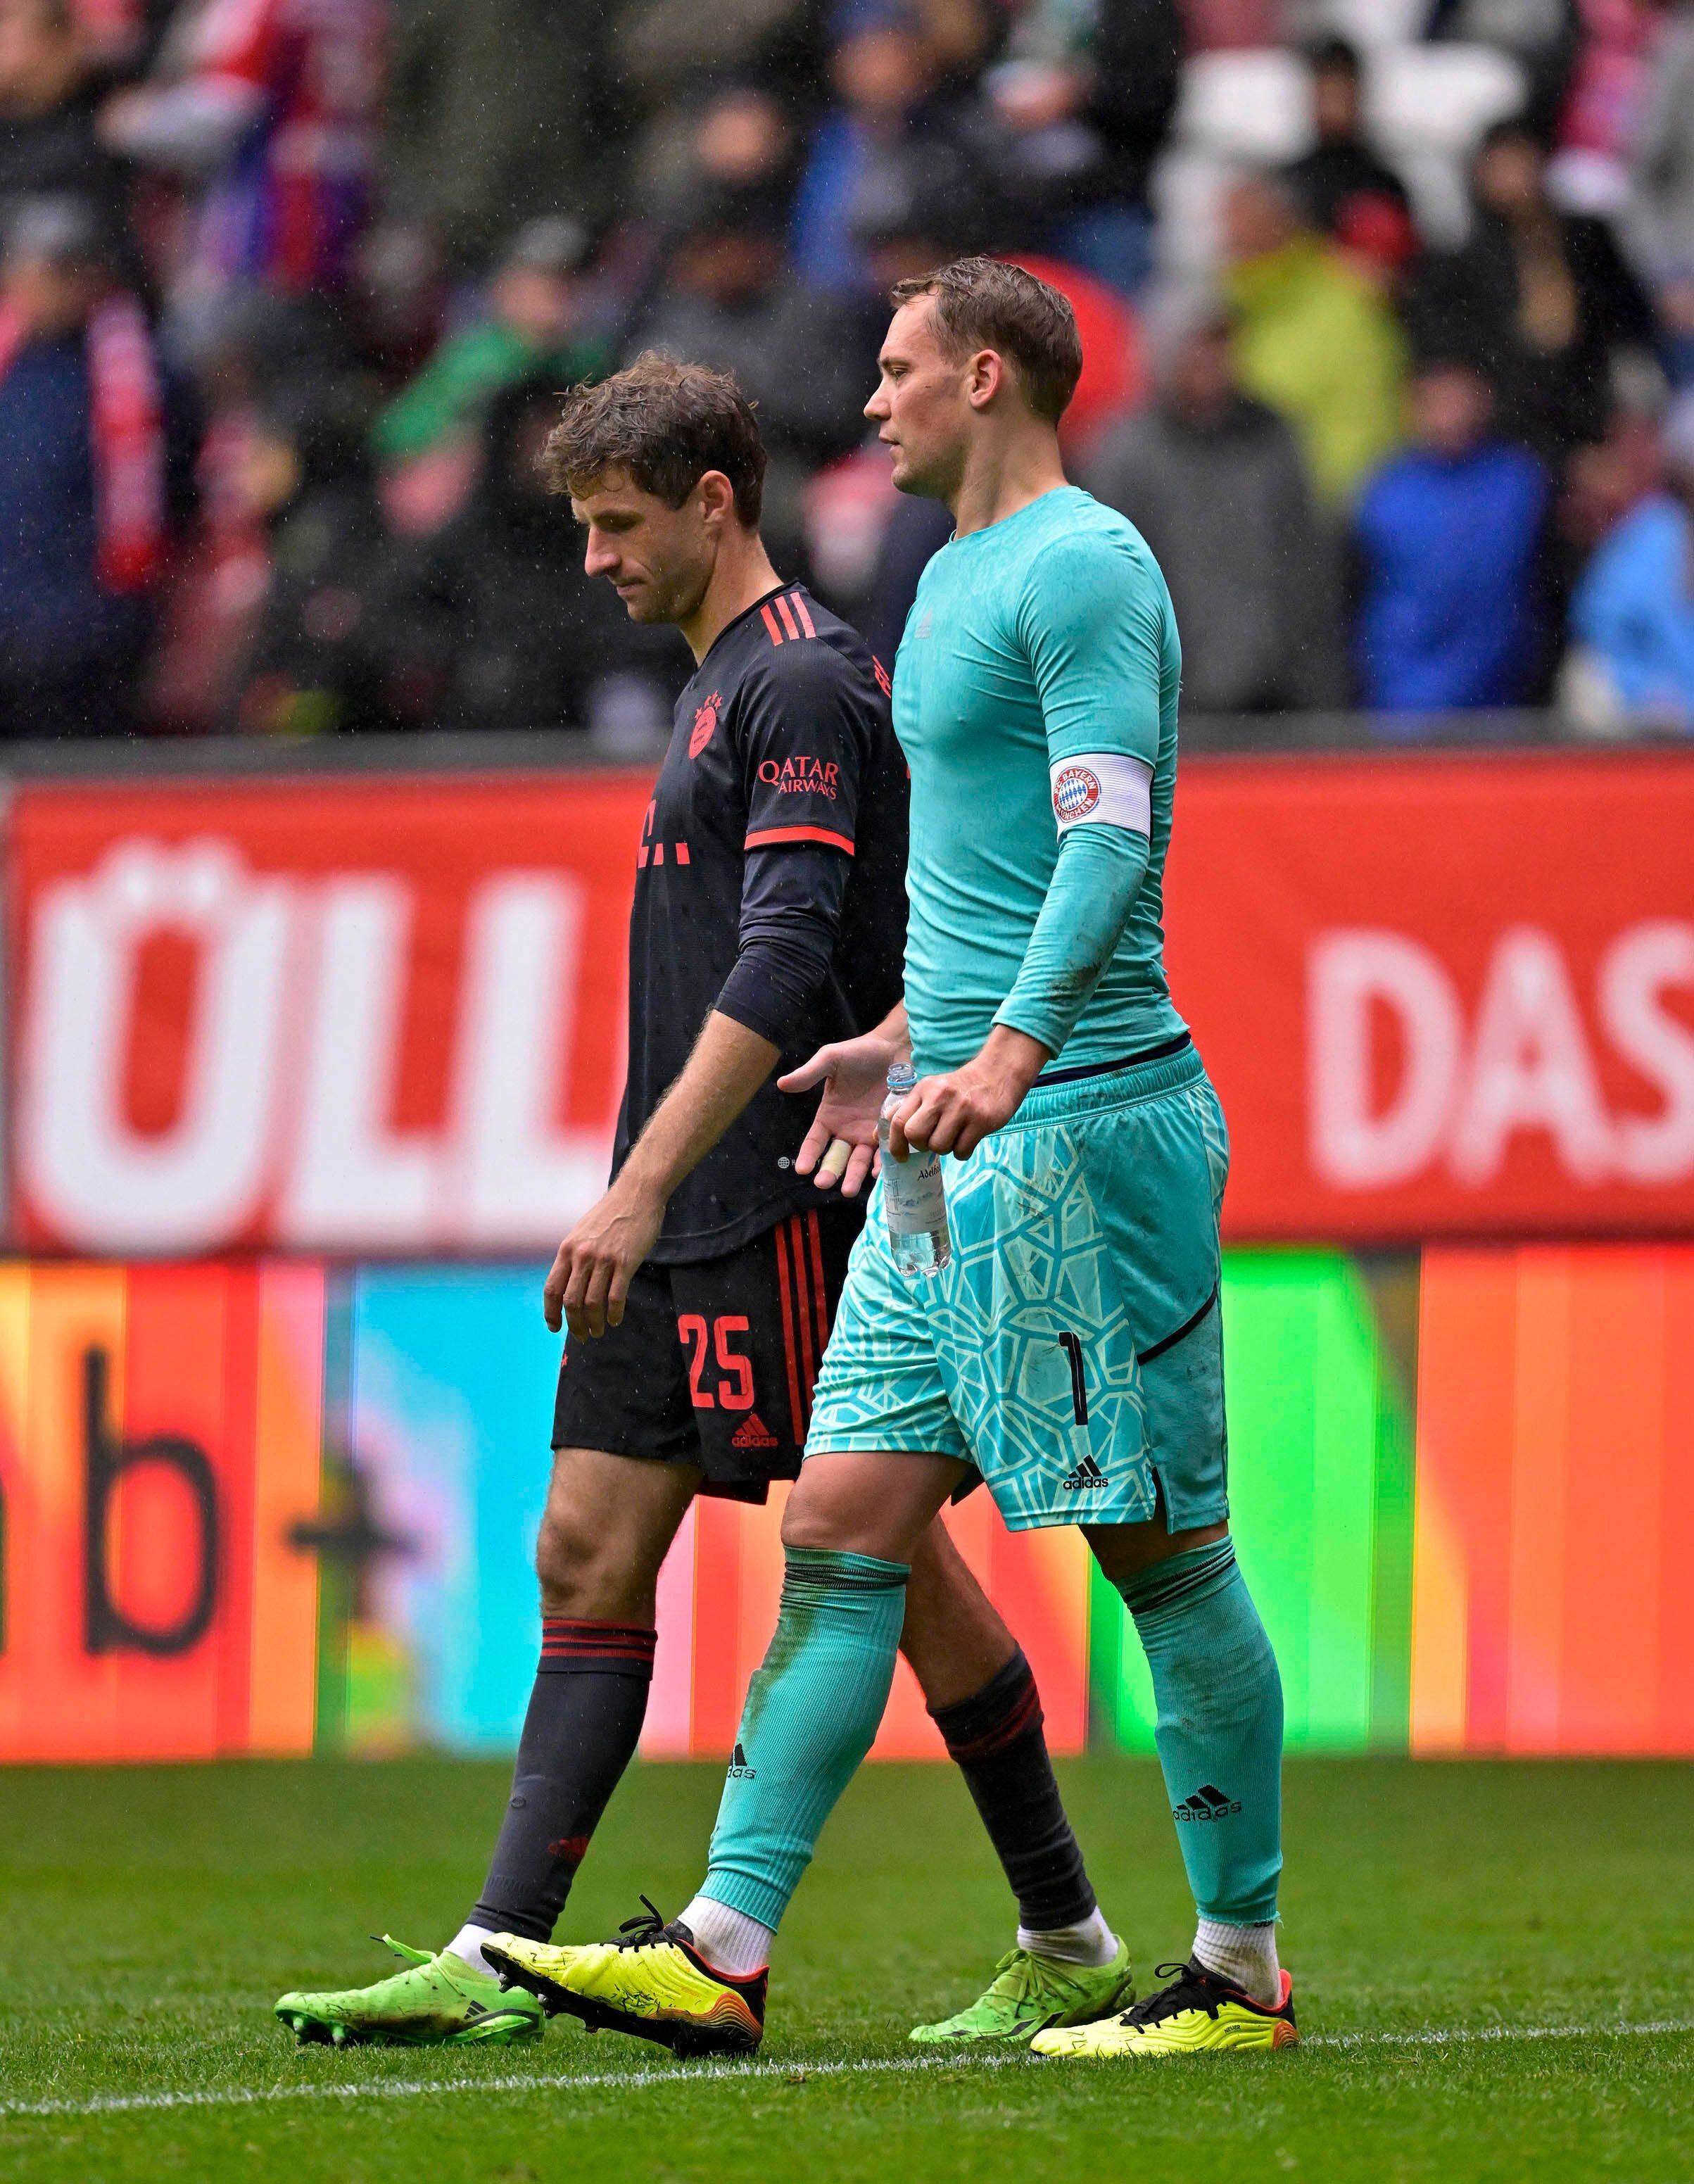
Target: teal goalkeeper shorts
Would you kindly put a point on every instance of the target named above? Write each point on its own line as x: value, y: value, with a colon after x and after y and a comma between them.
x: 1071, y: 1349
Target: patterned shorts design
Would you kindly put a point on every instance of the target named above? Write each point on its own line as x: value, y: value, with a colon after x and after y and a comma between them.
x: 1071, y: 1349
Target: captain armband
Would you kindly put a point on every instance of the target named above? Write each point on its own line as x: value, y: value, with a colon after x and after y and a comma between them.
x: 1106, y: 787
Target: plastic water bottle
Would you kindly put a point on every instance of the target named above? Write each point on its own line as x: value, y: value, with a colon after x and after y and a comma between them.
x: 912, y: 1196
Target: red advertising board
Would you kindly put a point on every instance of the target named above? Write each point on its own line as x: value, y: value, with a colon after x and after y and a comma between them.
x: 364, y: 1016
x: 1442, y: 996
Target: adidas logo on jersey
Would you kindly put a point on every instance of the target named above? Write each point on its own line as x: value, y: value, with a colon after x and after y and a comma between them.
x: 1206, y: 1804
x: 753, y: 1433
x: 739, y: 1770
x: 1087, y: 1477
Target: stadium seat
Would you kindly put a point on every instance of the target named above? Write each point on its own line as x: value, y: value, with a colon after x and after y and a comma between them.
x: 1252, y: 107
x: 1428, y: 106
x: 1367, y: 23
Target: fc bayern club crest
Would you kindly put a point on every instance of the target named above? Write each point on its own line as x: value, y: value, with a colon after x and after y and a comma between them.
x: 1076, y: 791
x: 705, y: 720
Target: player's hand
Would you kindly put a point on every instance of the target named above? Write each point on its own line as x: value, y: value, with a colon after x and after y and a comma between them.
x: 591, y: 1274
x: 854, y: 1074
x: 953, y: 1113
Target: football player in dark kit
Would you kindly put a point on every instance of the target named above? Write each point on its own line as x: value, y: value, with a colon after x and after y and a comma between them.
x: 769, y: 921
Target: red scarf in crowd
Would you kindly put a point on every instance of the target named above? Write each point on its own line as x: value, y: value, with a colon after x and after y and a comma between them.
x: 128, y: 433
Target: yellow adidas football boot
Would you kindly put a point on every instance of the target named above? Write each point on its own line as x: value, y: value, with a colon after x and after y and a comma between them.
x: 1198, y: 2014
x: 652, y: 1982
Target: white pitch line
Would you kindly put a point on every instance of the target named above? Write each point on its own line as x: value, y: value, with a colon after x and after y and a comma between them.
x: 405, y: 2089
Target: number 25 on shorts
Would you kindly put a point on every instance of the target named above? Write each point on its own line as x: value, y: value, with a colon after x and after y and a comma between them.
x: 735, y: 1391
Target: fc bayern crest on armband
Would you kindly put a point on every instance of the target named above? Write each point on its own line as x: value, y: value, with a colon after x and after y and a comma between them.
x: 1075, y: 792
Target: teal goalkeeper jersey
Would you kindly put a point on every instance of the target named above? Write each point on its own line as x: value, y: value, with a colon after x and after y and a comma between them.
x: 1047, y: 637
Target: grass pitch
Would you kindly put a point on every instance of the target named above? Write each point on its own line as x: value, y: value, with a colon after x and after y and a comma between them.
x: 1494, y: 1966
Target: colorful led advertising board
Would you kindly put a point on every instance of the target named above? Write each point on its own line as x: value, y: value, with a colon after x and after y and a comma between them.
x: 276, y: 1506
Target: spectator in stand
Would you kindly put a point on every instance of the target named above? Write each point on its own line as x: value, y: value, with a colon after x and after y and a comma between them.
x: 1633, y: 615
x: 496, y: 626
x: 95, y: 480
x: 1312, y: 339
x: 1086, y: 98
x: 658, y: 51
x: 1340, y: 179
x: 891, y: 110
x: 739, y: 140
x: 497, y: 114
x: 275, y: 110
x: 1542, y: 36
x: 318, y: 659
x: 1215, y: 26
x: 728, y: 298
x: 1543, y: 298
x: 1608, y: 87
x: 1659, y: 224
x: 1215, y: 483
x: 51, y: 91
x: 1449, y: 540
x: 533, y: 323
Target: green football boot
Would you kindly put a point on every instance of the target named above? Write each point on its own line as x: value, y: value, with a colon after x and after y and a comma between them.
x: 1030, y: 1994
x: 436, y: 2001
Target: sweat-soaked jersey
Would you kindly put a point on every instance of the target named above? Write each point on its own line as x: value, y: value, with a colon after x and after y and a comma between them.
x: 781, y: 742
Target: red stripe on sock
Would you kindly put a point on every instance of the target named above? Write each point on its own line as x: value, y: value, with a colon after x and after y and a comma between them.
x: 1022, y: 1717
x: 558, y: 1625
x: 568, y: 1638
x: 603, y: 1651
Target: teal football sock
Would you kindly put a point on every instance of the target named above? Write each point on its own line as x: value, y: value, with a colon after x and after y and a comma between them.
x: 811, y: 1712
x: 1219, y: 1732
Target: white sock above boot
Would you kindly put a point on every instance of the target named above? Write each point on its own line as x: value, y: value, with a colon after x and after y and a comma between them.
x: 467, y: 1946
x: 1246, y: 1956
x: 1090, y: 1942
x: 729, y: 1941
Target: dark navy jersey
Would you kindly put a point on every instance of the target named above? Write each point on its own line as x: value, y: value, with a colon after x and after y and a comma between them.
x: 776, y: 837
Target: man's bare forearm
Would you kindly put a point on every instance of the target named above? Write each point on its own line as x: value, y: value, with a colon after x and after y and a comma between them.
x: 729, y: 1064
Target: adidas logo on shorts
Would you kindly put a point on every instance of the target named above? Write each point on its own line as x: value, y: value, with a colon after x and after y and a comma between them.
x: 1087, y: 1477
x: 753, y: 1433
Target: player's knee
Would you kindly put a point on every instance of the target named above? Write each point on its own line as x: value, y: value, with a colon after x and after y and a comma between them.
x: 563, y: 1552
x: 583, y: 1572
x: 834, y: 1513
x: 811, y: 1518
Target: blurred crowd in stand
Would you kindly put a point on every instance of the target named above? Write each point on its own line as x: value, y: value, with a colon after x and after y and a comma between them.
x: 1388, y: 308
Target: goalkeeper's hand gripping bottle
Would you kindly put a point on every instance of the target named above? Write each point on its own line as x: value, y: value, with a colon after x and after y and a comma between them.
x: 912, y: 1197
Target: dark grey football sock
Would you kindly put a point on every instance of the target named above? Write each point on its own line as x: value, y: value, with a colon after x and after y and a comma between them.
x: 580, y: 1733
x: 996, y: 1738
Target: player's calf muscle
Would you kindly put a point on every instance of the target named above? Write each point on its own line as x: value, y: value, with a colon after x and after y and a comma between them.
x: 953, y: 1636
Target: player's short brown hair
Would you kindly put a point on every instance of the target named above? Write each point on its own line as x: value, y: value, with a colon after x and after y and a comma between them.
x: 983, y: 303
x: 667, y: 424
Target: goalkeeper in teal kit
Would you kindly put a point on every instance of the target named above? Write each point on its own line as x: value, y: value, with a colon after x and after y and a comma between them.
x: 1069, y: 1356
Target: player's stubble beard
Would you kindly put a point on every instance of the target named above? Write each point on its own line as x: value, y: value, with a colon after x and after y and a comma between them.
x: 935, y: 475
x: 672, y: 594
